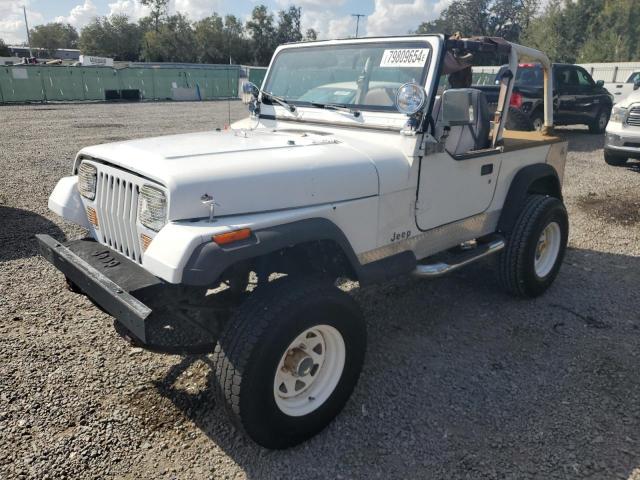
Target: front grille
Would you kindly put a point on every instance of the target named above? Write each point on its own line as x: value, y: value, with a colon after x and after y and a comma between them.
x: 117, y: 206
x: 634, y: 117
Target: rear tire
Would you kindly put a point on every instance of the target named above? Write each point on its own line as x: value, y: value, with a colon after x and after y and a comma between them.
x: 537, y: 120
x: 614, y: 159
x: 289, y: 359
x: 535, y: 248
x: 518, y: 120
x: 599, y: 124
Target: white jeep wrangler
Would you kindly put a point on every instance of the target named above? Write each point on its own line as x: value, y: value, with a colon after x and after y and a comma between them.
x: 350, y: 166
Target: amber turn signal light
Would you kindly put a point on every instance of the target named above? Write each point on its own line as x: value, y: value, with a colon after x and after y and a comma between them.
x: 230, y: 237
x: 145, y: 240
x: 92, y: 216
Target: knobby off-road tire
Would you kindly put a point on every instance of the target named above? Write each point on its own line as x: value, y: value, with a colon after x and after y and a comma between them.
x: 535, y: 248
x: 614, y: 159
x: 266, y: 341
x: 517, y: 120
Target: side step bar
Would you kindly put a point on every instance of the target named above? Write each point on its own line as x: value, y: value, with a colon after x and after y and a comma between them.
x: 438, y: 269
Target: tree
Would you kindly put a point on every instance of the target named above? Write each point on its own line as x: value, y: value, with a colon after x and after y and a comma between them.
x: 545, y: 32
x: 587, y: 30
x: 221, y: 41
x: 499, y: 18
x: 4, y: 49
x: 174, y: 41
x: 288, y: 29
x: 260, y: 28
x: 54, y: 36
x: 613, y: 34
x: 158, y: 10
x: 310, y: 35
x: 114, y: 37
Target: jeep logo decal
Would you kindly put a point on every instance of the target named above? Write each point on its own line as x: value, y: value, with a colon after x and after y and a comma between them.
x: 105, y: 257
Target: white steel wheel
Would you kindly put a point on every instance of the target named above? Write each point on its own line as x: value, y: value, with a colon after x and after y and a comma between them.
x: 309, y: 370
x: 547, y: 249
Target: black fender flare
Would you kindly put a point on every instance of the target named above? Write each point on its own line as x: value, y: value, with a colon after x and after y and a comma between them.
x: 537, y: 178
x: 209, y: 260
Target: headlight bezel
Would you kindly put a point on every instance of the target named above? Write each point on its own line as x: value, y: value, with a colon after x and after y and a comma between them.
x: 87, y: 180
x: 152, y: 207
x: 619, y: 114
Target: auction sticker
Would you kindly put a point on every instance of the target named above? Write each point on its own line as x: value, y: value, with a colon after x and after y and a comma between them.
x: 404, y: 57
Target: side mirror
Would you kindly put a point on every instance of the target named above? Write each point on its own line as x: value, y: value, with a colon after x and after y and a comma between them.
x: 457, y: 107
x: 636, y: 83
x: 250, y: 87
x: 600, y: 83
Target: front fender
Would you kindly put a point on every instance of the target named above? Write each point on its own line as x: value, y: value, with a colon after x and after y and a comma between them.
x: 65, y: 201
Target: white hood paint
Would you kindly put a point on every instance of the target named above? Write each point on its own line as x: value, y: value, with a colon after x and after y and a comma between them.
x: 249, y: 170
x: 631, y: 98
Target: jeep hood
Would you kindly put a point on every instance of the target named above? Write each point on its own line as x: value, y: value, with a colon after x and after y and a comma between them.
x: 246, y: 171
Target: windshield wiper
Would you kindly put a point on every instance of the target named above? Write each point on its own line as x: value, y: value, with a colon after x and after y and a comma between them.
x: 279, y: 100
x: 339, y: 108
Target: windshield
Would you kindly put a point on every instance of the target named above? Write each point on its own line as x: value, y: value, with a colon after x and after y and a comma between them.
x: 363, y: 76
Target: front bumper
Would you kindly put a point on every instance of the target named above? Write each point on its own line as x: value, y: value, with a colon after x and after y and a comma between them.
x: 147, y: 307
x: 623, y: 141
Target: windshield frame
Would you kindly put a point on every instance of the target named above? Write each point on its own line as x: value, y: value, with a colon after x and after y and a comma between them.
x: 432, y: 42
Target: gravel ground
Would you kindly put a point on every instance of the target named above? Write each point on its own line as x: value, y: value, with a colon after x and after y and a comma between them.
x: 460, y: 381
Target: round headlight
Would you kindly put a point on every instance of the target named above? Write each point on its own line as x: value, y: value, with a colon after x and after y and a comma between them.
x: 410, y: 98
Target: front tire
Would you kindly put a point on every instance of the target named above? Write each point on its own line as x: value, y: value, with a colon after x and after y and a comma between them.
x: 289, y: 359
x: 535, y: 248
x: 614, y: 159
x: 599, y: 124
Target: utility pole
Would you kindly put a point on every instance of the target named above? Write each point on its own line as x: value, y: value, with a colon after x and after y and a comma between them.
x: 26, y: 24
x: 357, y: 15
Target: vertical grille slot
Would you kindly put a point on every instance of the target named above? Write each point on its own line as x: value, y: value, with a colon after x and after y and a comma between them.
x: 117, y: 206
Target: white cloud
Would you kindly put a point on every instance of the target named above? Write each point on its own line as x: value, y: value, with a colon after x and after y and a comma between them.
x: 197, y: 9
x: 389, y: 17
x: 12, y: 29
x: 322, y: 5
x: 194, y: 9
x: 131, y: 8
x: 397, y: 17
x: 329, y: 25
x: 80, y: 15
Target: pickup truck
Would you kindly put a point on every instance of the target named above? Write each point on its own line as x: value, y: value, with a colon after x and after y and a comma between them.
x: 577, y: 99
x: 623, y: 90
x: 349, y: 166
x: 622, y: 139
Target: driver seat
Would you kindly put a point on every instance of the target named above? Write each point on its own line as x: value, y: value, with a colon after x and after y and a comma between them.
x: 463, y: 139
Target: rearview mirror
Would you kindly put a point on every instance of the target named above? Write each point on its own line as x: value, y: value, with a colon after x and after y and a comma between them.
x: 600, y: 83
x: 457, y: 107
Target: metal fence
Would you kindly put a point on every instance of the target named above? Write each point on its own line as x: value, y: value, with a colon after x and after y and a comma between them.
x: 39, y: 83
x: 611, y: 72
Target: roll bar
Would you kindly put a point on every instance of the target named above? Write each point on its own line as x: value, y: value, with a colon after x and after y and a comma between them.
x: 516, y: 52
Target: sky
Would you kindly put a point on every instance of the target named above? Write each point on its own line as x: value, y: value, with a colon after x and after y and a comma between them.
x: 331, y: 18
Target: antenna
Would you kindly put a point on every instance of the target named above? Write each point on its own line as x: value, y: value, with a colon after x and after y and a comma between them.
x: 357, y: 15
x: 26, y: 24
